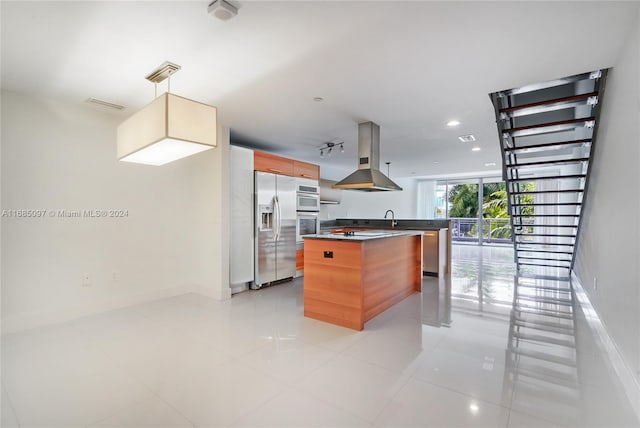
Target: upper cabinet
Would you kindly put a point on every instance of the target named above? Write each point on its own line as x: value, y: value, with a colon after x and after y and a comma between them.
x: 278, y: 165
x: 271, y: 163
x: 306, y: 170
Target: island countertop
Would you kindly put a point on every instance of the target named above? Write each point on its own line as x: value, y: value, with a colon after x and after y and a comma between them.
x: 377, y: 223
x: 362, y: 235
x: 350, y: 279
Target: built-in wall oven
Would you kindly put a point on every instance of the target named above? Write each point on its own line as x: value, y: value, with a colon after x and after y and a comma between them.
x: 308, y: 195
x: 308, y: 223
x: 308, y: 207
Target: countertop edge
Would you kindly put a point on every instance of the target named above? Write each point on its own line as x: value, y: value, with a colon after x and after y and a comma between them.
x: 355, y: 238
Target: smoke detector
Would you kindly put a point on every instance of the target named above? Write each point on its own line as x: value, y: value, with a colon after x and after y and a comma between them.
x: 222, y: 9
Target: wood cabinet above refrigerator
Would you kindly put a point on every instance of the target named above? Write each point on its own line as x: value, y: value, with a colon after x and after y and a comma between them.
x: 267, y: 162
x: 306, y: 170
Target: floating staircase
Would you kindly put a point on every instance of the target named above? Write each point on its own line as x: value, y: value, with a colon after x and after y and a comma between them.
x: 547, y: 138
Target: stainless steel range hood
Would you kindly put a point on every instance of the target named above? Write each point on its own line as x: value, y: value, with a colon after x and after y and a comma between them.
x: 368, y: 177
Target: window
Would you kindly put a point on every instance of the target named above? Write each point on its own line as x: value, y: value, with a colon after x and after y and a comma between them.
x: 477, y: 208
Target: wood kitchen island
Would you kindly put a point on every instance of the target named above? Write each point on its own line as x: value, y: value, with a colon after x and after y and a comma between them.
x: 349, y: 279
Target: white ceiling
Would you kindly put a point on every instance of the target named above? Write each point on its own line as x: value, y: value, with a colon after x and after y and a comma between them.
x: 408, y: 66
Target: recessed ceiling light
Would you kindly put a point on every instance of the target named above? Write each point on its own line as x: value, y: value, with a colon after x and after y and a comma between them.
x: 490, y: 164
x: 453, y: 123
x: 436, y: 162
x: 467, y: 138
x: 475, y: 149
x: 474, y: 408
x: 318, y: 99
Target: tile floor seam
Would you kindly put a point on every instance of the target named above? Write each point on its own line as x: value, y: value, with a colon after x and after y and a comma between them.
x: 462, y: 393
x: 284, y: 392
x: 175, y: 409
x: 344, y: 409
x: 258, y: 407
x: 390, y: 400
x: 300, y: 381
x: 132, y: 376
x: 546, y: 419
x: 128, y: 406
x: 331, y: 404
x: 15, y: 414
x: 380, y: 365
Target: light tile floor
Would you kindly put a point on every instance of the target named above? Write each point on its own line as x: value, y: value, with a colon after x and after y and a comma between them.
x: 445, y: 357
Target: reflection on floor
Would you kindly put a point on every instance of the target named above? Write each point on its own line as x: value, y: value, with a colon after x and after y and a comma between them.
x: 478, y: 349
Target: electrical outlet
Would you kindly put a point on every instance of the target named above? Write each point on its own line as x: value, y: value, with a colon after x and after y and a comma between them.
x: 86, y: 281
x: 595, y: 283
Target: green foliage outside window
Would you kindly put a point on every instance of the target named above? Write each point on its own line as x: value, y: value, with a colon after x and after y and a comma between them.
x: 464, y: 203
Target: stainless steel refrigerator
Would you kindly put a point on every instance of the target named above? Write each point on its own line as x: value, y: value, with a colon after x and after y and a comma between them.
x: 275, y: 228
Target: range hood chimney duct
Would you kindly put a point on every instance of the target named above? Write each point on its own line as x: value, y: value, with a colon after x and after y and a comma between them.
x: 368, y: 177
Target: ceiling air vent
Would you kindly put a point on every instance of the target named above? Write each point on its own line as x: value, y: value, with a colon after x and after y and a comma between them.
x: 467, y: 138
x: 104, y: 103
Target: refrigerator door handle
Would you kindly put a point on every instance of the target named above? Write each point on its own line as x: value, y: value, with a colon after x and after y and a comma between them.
x: 274, y: 227
x: 278, y: 219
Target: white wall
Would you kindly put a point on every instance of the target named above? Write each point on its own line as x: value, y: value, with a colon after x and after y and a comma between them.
x: 59, y: 156
x: 609, y: 247
x: 358, y: 204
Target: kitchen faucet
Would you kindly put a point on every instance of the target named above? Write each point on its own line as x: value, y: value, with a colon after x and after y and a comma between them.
x: 394, y: 222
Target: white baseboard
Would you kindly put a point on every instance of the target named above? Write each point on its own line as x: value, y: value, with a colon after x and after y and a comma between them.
x: 239, y: 288
x: 214, y: 293
x: 625, y: 373
x: 31, y: 320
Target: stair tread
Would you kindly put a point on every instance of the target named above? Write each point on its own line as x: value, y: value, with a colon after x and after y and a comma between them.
x: 534, y: 147
x: 549, y: 162
x: 547, y: 204
x: 551, y: 83
x: 545, y: 234
x: 540, y: 192
x: 548, y: 215
x: 551, y: 177
x: 548, y: 127
x: 553, y: 104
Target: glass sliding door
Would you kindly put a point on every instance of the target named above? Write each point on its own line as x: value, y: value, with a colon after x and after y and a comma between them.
x: 462, y: 209
x: 496, y: 226
x: 440, y: 200
x: 477, y: 208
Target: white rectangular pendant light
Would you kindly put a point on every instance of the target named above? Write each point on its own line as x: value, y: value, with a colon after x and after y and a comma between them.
x: 167, y: 129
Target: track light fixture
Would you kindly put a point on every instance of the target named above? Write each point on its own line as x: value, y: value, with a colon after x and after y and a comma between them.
x: 329, y: 148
